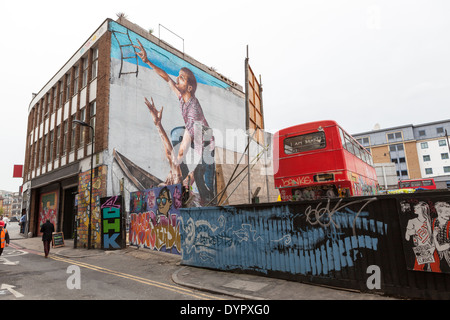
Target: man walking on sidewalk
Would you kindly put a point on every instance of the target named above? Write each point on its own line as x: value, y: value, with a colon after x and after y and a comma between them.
x: 47, y: 229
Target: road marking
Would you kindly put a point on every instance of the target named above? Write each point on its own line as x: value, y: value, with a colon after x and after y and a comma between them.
x: 9, y: 288
x: 7, y: 262
x: 139, y: 279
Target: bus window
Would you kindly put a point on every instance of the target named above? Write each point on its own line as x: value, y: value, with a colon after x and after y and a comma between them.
x: 404, y: 184
x: 427, y: 183
x: 416, y: 184
x: 305, y: 142
x: 342, y: 139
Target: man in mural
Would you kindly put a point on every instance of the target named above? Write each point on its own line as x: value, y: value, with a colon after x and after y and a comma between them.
x: 441, y: 231
x: 197, y: 133
x: 420, y: 230
x: 164, y: 202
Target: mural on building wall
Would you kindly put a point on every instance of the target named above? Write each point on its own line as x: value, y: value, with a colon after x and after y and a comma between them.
x: 168, y: 109
x: 98, y: 190
x: 112, y: 231
x: 426, y: 228
x: 48, y: 208
x: 154, y: 215
x: 316, y: 239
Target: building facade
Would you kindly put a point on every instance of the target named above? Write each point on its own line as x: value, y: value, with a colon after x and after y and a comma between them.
x: 10, y: 204
x: 135, y: 116
x: 418, y: 151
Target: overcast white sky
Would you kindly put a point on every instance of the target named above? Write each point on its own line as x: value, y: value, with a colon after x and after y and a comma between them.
x: 359, y: 62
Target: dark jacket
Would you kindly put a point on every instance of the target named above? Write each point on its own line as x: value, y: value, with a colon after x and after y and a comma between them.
x: 47, y: 229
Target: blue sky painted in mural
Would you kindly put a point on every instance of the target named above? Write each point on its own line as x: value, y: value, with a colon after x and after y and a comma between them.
x: 158, y: 56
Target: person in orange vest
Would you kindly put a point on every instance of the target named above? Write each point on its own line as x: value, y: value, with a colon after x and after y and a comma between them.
x: 4, y: 237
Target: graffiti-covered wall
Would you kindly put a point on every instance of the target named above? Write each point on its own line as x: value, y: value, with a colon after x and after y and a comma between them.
x: 98, y: 191
x: 154, y: 218
x: 377, y: 244
x: 167, y: 116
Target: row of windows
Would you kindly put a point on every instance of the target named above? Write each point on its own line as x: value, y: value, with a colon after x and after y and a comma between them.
x: 430, y: 170
x: 62, y: 138
x: 398, y: 136
x: 44, y: 151
x: 424, y: 145
x: 444, y: 156
x: 66, y: 88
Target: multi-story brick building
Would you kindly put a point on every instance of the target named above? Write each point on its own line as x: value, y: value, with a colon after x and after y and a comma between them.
x: 418, y: 151
x: 108, y: 86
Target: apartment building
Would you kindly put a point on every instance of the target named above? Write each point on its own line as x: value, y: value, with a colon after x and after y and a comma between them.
x: 107, y: 99
x: 418, y: 151
x: 10, y: 204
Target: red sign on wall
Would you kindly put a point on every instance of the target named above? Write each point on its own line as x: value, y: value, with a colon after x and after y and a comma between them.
x: 18, y: 169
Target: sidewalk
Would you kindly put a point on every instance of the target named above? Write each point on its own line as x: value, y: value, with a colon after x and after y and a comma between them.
x: 240, y: 286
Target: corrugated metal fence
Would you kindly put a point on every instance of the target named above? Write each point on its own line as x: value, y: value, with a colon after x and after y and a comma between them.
x: 357, y: 243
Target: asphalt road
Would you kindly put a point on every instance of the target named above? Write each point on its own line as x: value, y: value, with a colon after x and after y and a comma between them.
x: 27, y: 274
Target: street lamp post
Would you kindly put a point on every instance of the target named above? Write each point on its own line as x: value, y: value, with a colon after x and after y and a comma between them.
x: 84, y: 124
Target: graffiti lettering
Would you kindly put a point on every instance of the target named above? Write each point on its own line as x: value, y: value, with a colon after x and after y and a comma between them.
x: 154, y: 219
x: 111, y: 215
x: 291, y: 182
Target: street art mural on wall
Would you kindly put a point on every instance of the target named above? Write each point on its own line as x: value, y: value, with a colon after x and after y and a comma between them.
x: 426, y: 228
x: 171, y: 110
x: 317, y: 239
x: 48, y: 208
x: 112, y: 231
x: 154, y: 218
x: 98, y: 190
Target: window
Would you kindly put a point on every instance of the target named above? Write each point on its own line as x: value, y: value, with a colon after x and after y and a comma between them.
x: 447, y: 169
x: 61, y: 90
x: 305, y: 142
x: 57, y: 132
x: 442, y: 143
x: 50, y: 154
x: 426, y: 158
x: 47, y: 105
x: 74, y: 131
x: 82, y: 129
x: 55, y: 95
x: 424, y: 145
x: 92, y: 111
x: 421, y: 133
x: 85, y: 71
x: 396, y: 147
x: 41, y: 154
x: 439, y: 130
x: 67, y: 86
x: 394, y: 136
x: 65, y: 137
x: 75, y: 79
x: 428, y: 170
x: 94, y: 63
x: 364, y: 141
x: 444, y: 156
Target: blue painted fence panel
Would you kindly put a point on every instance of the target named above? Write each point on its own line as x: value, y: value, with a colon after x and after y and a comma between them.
x: 332, y: 242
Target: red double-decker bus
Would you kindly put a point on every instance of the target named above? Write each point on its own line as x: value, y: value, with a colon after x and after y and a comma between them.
x: 428, y: 184
x: 320, y: 160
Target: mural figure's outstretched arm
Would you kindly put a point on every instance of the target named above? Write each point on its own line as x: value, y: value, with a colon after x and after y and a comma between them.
x: 174, y: 176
